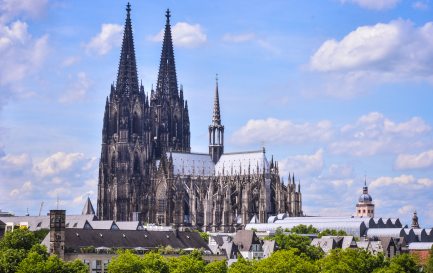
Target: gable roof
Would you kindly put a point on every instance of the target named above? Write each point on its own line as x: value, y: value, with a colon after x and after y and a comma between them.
x: 192, y: 164
x: 43, y: 222
x: 386, y: 242
x: 107, y: 225
x: 129, y: 225
x: 326, y: 244
x: 245, y: 238
x: 234, y: 163
x: 76, y: 239
x: 269, y: 246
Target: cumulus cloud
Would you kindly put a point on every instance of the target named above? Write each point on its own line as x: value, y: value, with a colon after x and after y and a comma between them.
x: 282, y: 131
x: 15, y: 160
x: 184, y: 35
x: 11, y: 8
x: 339, y: 171
x: 374, y: 54
x: 373, y: 4
x: 238, y: 38
x: 24, y: 189
x: 303, y: 165
x: 79, y: 89
x: 57, y: 163
x: 21, y: 54
x: 62, y: 175
x: 374, y: 133
x: 414, y: 161
x: 405, y: 181
x: 109, y: 37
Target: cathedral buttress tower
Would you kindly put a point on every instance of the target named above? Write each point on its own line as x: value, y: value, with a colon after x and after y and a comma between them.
x: 169, y: 111
x: 126, y: 140
x: 216, y: 130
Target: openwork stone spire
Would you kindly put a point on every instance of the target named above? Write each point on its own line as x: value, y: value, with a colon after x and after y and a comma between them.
x: 216, y: 117
x: 167, y: 80
x: 127, y: 80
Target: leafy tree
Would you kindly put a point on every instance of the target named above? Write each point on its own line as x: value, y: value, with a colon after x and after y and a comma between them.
x: 41, y: 234
x: 154, y: 262
x: 295, y: 241
x: 192, y: 263
x: 303, y: 229
x: 331, y: 232
x: 76, y: 266
x: 125, y: 262
x: 429, y: 265
x: 401, y: 263
x: 38, y: 261
x: 18, y: 239
x: 350, y: 260
x: 286, y: 261
x: 216, y: 267
x: 242, y: 266
x: 10, y: 259
x: 204, y: 235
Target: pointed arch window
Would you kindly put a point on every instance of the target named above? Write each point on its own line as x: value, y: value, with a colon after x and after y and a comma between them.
x: 136, y: 164
x: 136, y: 126
x: 113, y: 163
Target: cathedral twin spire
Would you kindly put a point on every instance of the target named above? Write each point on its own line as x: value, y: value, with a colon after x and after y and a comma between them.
x: 127, y: 79
x: 167, y: 79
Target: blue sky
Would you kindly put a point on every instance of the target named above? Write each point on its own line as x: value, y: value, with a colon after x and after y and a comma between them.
x: 336, y: 90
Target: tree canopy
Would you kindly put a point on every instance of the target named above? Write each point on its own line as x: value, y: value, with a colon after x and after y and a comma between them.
x: 20, y: 251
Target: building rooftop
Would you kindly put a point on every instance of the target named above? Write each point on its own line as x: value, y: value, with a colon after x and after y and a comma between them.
x: 129, y: 239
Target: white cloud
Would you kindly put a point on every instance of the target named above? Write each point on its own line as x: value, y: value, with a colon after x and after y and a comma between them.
x: 342, y: 182
x: 63, y: 175
x: 69, y: 61
x: 21, y: 54
x: 56, y: 163
x: 62, y: 191
x: 79, y: 89
x: 405, y: 181
x: 419, y: 5
x: 15, y: 160
x: 109, y: 37
x: 414, y: 161
x: 302, y: 165
x: 24, y: 189
x: 238, y: 38
x: 184, y: 35
x: 406, y: 209
x: 337, y: 171
x: 11, y: 8
x: 371, y: 55
x: 373, y: 4
x: 282, y: 131
x: 374, y: 133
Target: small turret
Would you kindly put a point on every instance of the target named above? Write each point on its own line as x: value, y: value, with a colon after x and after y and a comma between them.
x: 415, y: 223
x: 216, y: 130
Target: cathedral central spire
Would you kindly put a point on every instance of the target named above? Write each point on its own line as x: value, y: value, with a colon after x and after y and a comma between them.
x: 167, y: 79
x: 216, y: 117
x: 127, y: 79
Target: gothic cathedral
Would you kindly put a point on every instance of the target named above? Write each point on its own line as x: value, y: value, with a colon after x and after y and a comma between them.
x: 147, y: 171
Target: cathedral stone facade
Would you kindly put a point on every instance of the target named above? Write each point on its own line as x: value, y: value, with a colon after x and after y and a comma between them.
x: 147, y: 171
